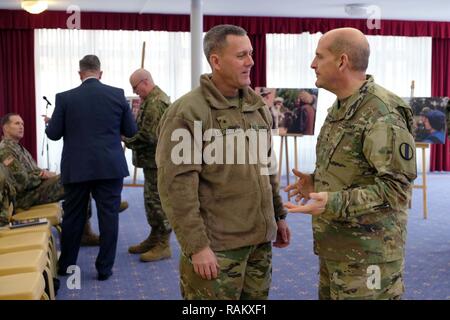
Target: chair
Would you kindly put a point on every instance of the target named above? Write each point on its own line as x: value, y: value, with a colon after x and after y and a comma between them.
x: 23, y: 242
x: 52, y: 212
x: 5, y: 232
x: 23, y: 286
x: 28, y: 261
x: 28, y: 241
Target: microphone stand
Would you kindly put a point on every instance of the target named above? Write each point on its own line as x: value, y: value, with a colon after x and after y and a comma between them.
x: 45, y: 140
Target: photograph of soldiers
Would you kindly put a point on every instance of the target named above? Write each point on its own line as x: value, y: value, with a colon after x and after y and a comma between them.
x: 296, y: 109
x: 429, y: 118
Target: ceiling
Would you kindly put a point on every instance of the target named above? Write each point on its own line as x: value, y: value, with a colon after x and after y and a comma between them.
x: 431, y: 10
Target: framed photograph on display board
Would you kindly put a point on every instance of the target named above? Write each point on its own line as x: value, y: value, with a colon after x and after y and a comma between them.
x: 293, y: 110
x: 430, y: 122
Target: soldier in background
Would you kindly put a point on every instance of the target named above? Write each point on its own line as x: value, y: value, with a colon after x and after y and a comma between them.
x: 33, y: 185
x: 420, y: 132
x: 265, y: 94
x: 361, y: 186
x: 143, y: 144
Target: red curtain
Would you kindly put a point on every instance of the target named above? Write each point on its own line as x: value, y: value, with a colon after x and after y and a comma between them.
x: 440, y: 87
x: 17, y: 80
x: 15, y: 19
x: 258, y: 73
x: 18, y: 19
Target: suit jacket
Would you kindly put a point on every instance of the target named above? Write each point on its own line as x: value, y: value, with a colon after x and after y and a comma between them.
x: 91, y: 118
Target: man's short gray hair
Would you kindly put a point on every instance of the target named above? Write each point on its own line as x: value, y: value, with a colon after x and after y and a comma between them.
x: 358, y: 55
x: 216, y: 38
x: 90, y: 63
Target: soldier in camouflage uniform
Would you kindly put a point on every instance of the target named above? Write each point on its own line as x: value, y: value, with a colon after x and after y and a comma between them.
x: 33, y: 185
x: 224, y: 215
x: 7, y: 192
x: 361, y: 186
x: 143, y: 144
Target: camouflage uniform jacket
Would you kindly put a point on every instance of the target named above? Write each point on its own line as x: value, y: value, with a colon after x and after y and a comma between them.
x: 7, y: 194
x: 224, y: 206
x: 144, y: 141
x: 366, y: 162
x: 24, y: 170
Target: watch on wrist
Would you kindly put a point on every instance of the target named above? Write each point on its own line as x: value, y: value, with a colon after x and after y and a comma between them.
x: 278, y: 218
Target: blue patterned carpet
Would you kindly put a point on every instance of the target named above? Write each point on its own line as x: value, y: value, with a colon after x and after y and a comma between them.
x: 427, y: 273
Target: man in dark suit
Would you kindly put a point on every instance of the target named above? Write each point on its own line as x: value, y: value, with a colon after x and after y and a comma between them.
x: 91, y: 118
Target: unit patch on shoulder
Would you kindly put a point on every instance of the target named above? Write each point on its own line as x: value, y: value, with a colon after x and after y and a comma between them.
x: 406, y: 151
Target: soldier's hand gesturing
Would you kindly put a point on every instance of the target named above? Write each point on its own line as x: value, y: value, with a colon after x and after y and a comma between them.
x: 314, y: 207
x: 302, y: 188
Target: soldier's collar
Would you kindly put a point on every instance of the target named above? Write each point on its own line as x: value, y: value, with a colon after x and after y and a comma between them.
x: 250, y: 100
x: 9, y: 140
x: 347, y: 108
x: 153, y: 93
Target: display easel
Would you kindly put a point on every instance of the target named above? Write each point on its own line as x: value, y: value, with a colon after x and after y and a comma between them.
x: 133, y: 183
x: 422, y: 186
x: 284, y: 142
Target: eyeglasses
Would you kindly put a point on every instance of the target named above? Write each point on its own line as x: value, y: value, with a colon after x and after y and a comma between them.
x: 137, y: 84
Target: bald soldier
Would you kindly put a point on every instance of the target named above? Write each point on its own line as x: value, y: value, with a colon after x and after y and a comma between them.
x: 143, y: 144
x: 359, y: 191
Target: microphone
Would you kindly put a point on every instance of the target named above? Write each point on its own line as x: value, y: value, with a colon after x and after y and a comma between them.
x: 45, y: 98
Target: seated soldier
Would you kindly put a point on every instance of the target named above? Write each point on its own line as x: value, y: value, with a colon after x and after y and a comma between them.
x: 32, y: 184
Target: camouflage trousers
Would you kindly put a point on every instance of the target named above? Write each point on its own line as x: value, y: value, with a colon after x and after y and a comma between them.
x: 50, y: 190
x: 245, y: 274
x: 4, y: 209
x: 354, y: 281
x: 155, y: 215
